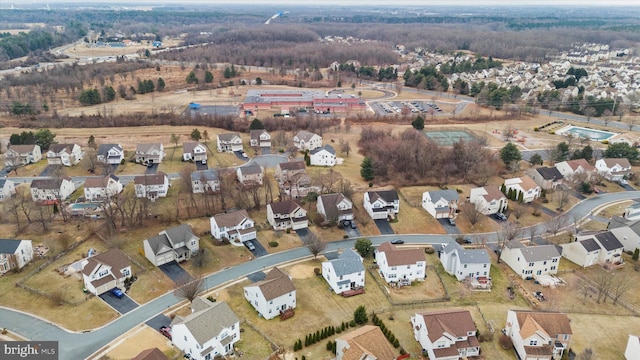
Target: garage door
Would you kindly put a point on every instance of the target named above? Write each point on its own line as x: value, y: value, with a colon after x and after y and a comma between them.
x: 106, y: 287
x: 163, y: 259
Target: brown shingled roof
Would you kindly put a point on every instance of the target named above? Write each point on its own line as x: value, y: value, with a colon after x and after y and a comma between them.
x: 397, y: 257
x: 284, y: 207
x: 157, y: 179
x: 456, y: 322
x: 276, y: 284
x: 151, y: 354
x: 231, y: 219
x: 493, y: 193
x: 527, y: 183
x: 575, y: 164
x: 550, y: 323
x: 114, y: 258
x: 367, y: 340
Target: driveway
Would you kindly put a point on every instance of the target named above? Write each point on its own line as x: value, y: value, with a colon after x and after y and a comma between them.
x: 152, y: 170
x: 303, y: 234
x: 122, y: 305
x: 200, y: 166
x: 578, y: 196
x: 157, y: 322
x: 384, y: 227
x: 450, y: 229
x: 175, y: 272
x: 352, y: 233
x: 626, y: 187
x: 48, y: 170
x: 548, y: 211
x: 266, y: 150
x: 239, y: 155
x: 259, y: 249
x: 257, y: 276
x: 111, y: 169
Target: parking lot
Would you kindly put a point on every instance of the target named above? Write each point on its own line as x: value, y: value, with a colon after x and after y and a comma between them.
x: 406, y: 107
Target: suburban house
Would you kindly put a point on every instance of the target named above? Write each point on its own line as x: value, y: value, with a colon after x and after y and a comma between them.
x: 334, y: 207
x: 51, y: 190
x: 538, y: 335
x: 273, y: 295
x: 110, y: 154
x: 97, y: 189
x: 345, y: 272
x: 488, y: 200
x: 105, y: 271
x: 151, y: 187
x: 233, y: 225
x: 610, y: 249
x: 194, y: 151
x: 576, y: 170
x: 307, y: 141
x: 64, y: 154
x: 293, y: 179
x: 446, y: 334
x: 229, y: 142
x: 401, y: 266
x: 174, y: 244
x: 548, y: 178
x: 628, y: 233
x: 632, y: 351
x: 367, y: 343
x: 523, y: 185
x: 531, y: 261
x: 584, y: 252
x: 250, y: 175
x: 441, y: 204
x: 205, y: 181
x: 151, y: 354
x: 285, y: 171
x: 18, y: 155
x: 14, y: 254
x: 465, y: 263
x: 259, y: 138
x: 323, y: 156
x: 613, y: 169
x: 211, y: 329
x: 7, y: 189
x: 382, y: 204
x: 288, y: 214
x: 149, y: 153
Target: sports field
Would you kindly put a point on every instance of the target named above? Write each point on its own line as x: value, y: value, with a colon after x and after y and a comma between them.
x: 448, y: 138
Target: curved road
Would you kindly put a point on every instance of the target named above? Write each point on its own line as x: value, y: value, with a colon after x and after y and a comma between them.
x: 82, y: 345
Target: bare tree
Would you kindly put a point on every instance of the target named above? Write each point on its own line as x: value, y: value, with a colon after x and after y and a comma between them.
x: 586, y: 354
x: 188, y: 289
x: 555, y: 224
x: 584, y: 288
x: 620, y: 285
x: 602, y: 281
x: 507, y: 132
x: 345, y: 148
x: 472, y: 212
x: 510, y: 231
x: 315, y: 244
x: 92, y: 159
x: 518, y: 210
x: 175, y: 139
x: 201, y: 259
x: 532, y: 230
x: 562, y: 198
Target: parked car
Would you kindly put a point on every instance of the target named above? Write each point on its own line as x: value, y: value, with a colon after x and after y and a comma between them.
x: 353, y: 225
x: 117, y: 293
x: 250, y: 245
x: 166, y: 331
x: 500, y: 216
x: 244, y: 155
x: 397, y: 241
x: 467, y: 241
x: 452, y: 221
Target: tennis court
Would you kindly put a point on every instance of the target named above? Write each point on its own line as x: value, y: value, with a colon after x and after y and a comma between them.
x: 450, y: 137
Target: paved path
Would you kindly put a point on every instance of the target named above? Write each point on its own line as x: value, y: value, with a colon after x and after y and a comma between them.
x: 82, y: 345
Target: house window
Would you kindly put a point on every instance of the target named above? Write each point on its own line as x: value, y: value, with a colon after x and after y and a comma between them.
x: 185, y: 338
x: 544, y: 262
x: 125, y: 272
x: 530, y: 264
x: 533, y: 343
x: 566, y: 337
x: 484, y: 266
x: 555, y: 260
x: 553, y: 268
x: 465, y: 266
x: 394, y: 268
x: 408, y: 266
x: 103, y: 273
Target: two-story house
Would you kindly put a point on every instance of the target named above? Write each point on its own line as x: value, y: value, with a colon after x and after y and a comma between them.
x: 611, y: 248
x: 584, y: 252
x: 105, y: 271
x: 538, y: 335
x: 627, y: 232
x: 365, y: 343
x: 259, y: 138
x: 151, y: 187
x: 288, y: 214
x: 14, y: 254
x: 613, y: 169
x: 307, y: 141
x: 446, y: 334
x: 211, y: 329
x: 229, y: 142
x: 250, y: 175
x: 441, y: 204
x: 64, y: 154
x: 273, y: 295
x: 523, y: 185
x: 174, y: 244
x: 18, y: 155
x: 345, y: 272
x: 110, y: 154
x: 323, y: 156
x: 548, y: 178
x: 48, y: 191
x: 149, y: 153
x: 335, y: 208
x: 402, y: 266
x: 465, y: 263
x: 194, y: 151
x: 7, y: 189
x: 205, y: 181
x: 293, y: 180
x: 531, y: 261
x: 98, y: 189
x: 382, y: 204
x: 576, y: 170
x: 233, y: 225
x: 488, y: 199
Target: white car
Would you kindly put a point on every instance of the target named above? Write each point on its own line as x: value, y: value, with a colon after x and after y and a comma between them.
x: 244, y: 155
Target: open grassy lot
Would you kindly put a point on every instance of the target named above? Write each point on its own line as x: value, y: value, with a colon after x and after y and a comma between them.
x: 138, y: 339
x: 415, y: 220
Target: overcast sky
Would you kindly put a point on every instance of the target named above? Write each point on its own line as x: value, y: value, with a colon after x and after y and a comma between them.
x: 351, y: 2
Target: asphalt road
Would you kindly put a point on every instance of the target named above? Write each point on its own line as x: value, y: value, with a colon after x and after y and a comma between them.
x: 81, y: 345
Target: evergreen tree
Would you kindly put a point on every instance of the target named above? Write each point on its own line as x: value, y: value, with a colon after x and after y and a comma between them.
x: 360, y: 315
x: 503, y: 189
x: 208, y: 77
x: 510, y: 154
x: 520, y: 197
x: 636, y: 254
x: 418, y: 123
x: 192, y: 78
x: 160, y: 84
x: 109, y: 93
x: 256, y: 124
x: 367, y: 170
x: 195, y: 135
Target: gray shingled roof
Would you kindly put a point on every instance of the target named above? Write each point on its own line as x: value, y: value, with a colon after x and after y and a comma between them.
x: 609, y: 241
x: 539, y: 253
x: 251, y: 169
x: 327, y: 147
x: 468, y: 256
x: 209, y: 321
x: 386, y: 195
x: 549, y: 173
x: 56, y: 148
x: 103, y: 149
x: 304, y: 135
x: 590, y: 245
x: 206, y: 175
x: 330, y: 201
x: 448, y: 195
x: 347, y: 263
x: 170, y: 237
x: 9, y: 246
x: 276, y: 284
x: 145, y: 148
x: 228, y: 136
x: 155, y: 179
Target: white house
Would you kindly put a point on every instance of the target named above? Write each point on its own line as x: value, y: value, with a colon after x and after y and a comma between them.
x: 14, y: 254
x: 578, y: 169
x: 174, y: 244
x: 205, y: 181
x: 211, y: 329
x: 632, y: 351
x: 465, y: 263
x: 233, y: 225
x: 548, y: 178
x: 531, y: 261
x: 51, y: 190
x: 110, y: 153
x: 489, y: 199
x: 627, y: 232
x: 335, y: 207
x: 446, y: 334
x: 105, y: 271
x: 613, y: 169
x: 441, y: 204
x: 194, y: 151
x: 345, y: 272
x: 98, y: 189
x: 229, y: 142
x: 288, y: 214
x: 365, y: 343
x: 151, y: 187
x: 584, y: 253
x: 149, y: 153
x: 273, y: 295
x: 18, y: 155
x: 382, y: 204
x: 323, y: 156
x: 610, y: 248
x: 538, y: 335
x: 305, y: 140
x: 400, y: 265
x: 523, y: 185
x: 64, y: 154
x: 250, y: 175
x: 259, y: 138
x: 7, y: 189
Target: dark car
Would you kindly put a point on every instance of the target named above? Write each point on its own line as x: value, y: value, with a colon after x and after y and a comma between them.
x: 397, y: 241
x: 117, y: 293
x: 500, y: 216
x: 467, y: 241
x: 166, y: 331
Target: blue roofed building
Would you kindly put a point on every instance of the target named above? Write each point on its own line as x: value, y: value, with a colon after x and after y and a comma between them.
x: 345, y: 272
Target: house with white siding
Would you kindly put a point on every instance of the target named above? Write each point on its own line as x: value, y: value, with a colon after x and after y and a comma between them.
x: 335, y: 207
x: 538, y: 335
x: 48, y: 191
x: 229, y: 142
x: 18, y: 155
x: 288, y: 214
x: 233, y: 225
x: 98, y: 189
x: 307, y: 141
x: 488, y: 199
x: 576, y: 170
x: 149, y: 153
x: 194, y: 151
x: 446, y: 334
x: 105, y: 271
x: 465, y: 263
x: 344, y: 272
x: 111, y: 154
x: 523, y: 185
x: 401, y: 266
x: 273, y: 295
x: 174, y: 244
x: 7, y: 189
x: 383, y: 204
x: 64, y: 154
x: 14, y: 254
x: 151, y: 187
x: 205, y: 181
x: 259, y: 138
x: 613, y: 169
x: 441, y: 204
x: 531, y: 261
x: 323, y: 156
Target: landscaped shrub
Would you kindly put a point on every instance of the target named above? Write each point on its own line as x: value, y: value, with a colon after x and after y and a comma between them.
x: 352, y: 323
x: 329, y: 345
x: 273, y: 243
x: 429, y: 250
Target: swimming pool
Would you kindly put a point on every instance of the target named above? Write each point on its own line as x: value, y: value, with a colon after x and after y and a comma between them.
x: 597, y: 135
x: 83, y: 206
